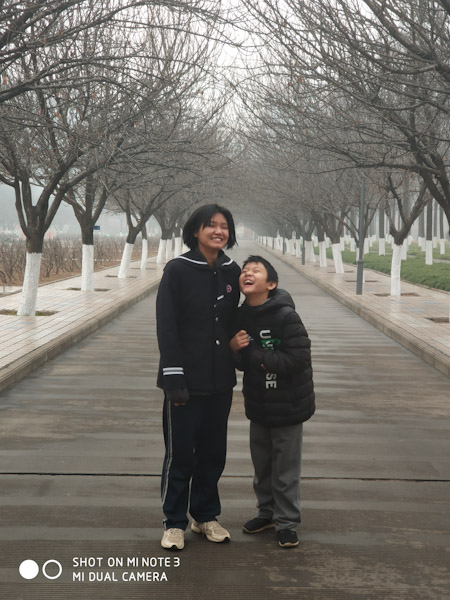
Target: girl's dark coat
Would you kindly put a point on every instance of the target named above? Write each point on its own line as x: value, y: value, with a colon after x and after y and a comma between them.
x: 195, y: 308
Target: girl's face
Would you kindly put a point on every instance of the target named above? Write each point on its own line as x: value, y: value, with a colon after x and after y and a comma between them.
x: 214, y: 236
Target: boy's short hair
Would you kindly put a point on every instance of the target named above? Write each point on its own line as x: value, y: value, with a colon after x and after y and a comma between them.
x: 202, y: 217
x: 272, y: 275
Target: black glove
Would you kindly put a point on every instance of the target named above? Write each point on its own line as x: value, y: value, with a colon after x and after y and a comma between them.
x: 177, y: 396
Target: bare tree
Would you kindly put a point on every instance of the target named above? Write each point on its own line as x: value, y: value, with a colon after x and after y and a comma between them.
x: 59, y: 133
x: 370, y: 89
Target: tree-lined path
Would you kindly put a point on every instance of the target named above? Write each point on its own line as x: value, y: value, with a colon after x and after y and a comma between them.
x: 81, y: 453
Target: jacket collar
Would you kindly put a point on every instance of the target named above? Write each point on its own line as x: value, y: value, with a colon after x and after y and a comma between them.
x: 196, y: 258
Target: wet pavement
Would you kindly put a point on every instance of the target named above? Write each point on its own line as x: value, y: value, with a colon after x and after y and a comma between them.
x: 81, y: 453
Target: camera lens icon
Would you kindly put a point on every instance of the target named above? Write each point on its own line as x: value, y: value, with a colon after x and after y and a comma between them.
x: 29, y: 569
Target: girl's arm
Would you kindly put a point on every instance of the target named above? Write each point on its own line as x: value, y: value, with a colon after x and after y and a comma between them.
x: 168, y: 308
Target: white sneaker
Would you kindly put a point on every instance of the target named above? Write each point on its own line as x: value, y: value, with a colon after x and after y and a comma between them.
x: 173, y: 539
x: 212, y: 530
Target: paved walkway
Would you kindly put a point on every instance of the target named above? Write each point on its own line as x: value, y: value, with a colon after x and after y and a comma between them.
x: 28, y: 342
x: 81, y: 452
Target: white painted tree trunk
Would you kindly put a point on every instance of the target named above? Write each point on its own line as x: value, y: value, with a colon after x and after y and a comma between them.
x: 381, y: 247
x: 87, y: 268
x: 293, y: 242
x: 323, y: 254
x: 126, y: 260
x: 312, y: 258
x: 161, y: 251
x: 327, y: 242
x: 27, y: 306
x: 337, y: 258
x: 441, y: 246
x: 366, y: 246
x: 169, y: 252
x: 178, y: 246
x: 308, y: 251
x: 184, y: 249
x: 342, y: 244
x: 429, y: 252
x: 144, y: 254
x: 396, y: 265
x: 405, y: 247
x: 298, y: 248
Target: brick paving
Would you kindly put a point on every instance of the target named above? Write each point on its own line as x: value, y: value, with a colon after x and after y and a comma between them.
x: 27, y: 342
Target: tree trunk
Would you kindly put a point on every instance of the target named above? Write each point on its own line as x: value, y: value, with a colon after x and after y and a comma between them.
x: 292, y: 246
x: 322, y: 247
x: 337, y: 257
x: 126, y: 260
x: 421, y: 239
x: 87, y: 268
x: 87, y: 260
x: 161, y: 251
x: 429, y: 240
x: 27, y: 305
x: 396, y: 266
x: 405, y: 247
x: 308, y: 250
x: 28, y: 300
x: 144, y: 252
x: 381, y: 232
x: 323, y: 254
x: 178, y: 246
x: 441, y: 231
x: 169, y: 251
x: 435, y: 223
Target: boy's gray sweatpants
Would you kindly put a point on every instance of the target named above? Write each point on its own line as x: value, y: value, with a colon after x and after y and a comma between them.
x: 276, y: 454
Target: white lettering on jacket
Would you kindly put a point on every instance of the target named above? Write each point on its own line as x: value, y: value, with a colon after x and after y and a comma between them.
x: 271, y: 378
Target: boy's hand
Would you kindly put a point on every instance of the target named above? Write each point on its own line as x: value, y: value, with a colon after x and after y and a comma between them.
x: 239, y: 341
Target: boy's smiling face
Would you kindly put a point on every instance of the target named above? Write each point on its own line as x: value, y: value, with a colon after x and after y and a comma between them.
x: 253, y: 283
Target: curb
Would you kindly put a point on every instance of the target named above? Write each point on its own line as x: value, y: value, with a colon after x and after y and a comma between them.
x: 427, y: 353
x: 22, y: 367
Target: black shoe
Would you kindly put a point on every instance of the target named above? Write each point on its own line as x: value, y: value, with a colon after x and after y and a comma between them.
x: 287, y: 538
x: 257, y: 524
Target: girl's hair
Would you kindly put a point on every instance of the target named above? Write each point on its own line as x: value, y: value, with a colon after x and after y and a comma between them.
x: 202, y: 217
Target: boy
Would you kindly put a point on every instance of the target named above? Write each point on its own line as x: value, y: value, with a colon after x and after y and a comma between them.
x: 273, y: 349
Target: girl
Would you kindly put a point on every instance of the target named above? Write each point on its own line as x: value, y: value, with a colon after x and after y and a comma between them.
x: 195, y: 306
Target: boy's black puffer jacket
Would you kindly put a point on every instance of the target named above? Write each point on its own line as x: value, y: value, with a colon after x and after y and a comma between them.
x: 281, y: 392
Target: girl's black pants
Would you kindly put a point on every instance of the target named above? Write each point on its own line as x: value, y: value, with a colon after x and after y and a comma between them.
x: 195, y: 437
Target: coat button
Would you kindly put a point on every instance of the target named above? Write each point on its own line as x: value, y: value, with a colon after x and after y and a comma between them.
x: 217, y: 342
